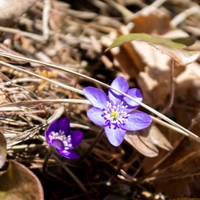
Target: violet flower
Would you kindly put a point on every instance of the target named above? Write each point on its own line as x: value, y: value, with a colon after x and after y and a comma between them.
x: 115, y: 111
x: 62, y: 139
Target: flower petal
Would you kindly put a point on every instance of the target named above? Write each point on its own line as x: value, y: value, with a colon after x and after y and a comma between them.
x: 134, y: 93
x: 58, y: 144
x: 97, y: 97
x: 63, y: 124
x: 76, y: 138
x: 137, y: 121
x: 115, y: 136
x: 69, y: 154
x: 121, y: 84
x: 52, y: 128
x: 95, y: 115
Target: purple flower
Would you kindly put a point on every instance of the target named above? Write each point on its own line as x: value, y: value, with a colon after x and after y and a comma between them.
x: 62, y: 139
x: 115, y: 111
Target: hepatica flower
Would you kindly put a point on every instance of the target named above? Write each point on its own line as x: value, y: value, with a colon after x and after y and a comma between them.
x: 115, y: 112
x: 62, y: 138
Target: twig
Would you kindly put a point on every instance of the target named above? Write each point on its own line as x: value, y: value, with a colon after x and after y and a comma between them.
x: 149, y: 9
x: 45, y: 17
x: 33, y: 36
x: 182, y: 16
x: 175, y: 175
x: 42, y: 77
x: 124, y: 11
x: 24, y: 104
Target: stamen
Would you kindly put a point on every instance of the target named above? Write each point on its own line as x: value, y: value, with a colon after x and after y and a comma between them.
x: 61, y: 136
x: 115, y: 114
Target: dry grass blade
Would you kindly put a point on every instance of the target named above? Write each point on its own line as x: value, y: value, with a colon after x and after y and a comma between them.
x: 174, y: 125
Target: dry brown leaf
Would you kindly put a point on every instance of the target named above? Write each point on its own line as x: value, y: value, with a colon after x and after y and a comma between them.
x: 188, y: 83
x: 3, y: 152
x: 142, y: 144
x: 10, y: 10
x: 156, y: 23
x: 157, y: 138
x: 18, y: 183
x: 154, y: 81
x: 124, y: 57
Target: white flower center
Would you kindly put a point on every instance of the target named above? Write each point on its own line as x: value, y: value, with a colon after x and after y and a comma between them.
x: 62, y: 137
x: 115, y: 114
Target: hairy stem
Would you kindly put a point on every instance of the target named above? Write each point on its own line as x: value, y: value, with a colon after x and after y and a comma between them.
x: 98, y: 137
x: 49, y: 154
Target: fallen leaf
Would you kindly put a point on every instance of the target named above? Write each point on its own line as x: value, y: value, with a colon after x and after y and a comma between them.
x: 141, y: 144
x: 159, y: 23
x: 125, y: 57
x: 166, y: 46
x: 19, y: 183
x: 157, y: 138
x: 3, y: 152
x: 10, y: 10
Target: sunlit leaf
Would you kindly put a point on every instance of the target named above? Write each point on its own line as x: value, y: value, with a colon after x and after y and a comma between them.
x: 142, y: 144
x: 19, y: 183
x: 157, y: 138
x: 167, y: 46
x: 3, y: 152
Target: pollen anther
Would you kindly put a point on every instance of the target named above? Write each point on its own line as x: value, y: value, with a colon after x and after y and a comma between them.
x: 115, y: 114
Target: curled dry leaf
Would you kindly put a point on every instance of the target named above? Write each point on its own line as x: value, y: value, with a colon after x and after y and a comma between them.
x: 12, y: 9
x: 3, y: 152
x: 18, y: 183
x: 166, y: 46
x: 143, y: 144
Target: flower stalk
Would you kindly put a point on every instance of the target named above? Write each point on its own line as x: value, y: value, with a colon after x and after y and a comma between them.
x: 95, y: 141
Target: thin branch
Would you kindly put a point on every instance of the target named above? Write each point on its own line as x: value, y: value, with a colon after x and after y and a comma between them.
x: 33, y: 36
x: 182, y: 16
